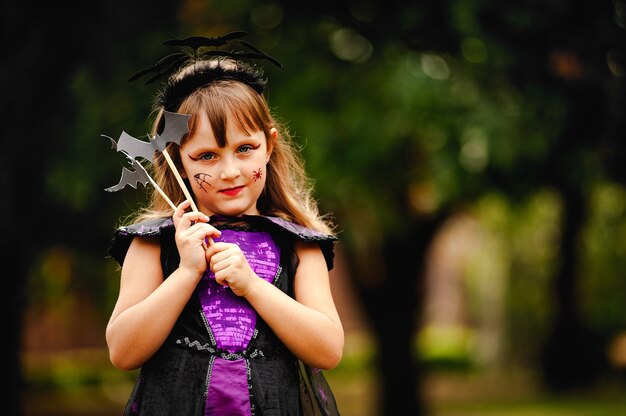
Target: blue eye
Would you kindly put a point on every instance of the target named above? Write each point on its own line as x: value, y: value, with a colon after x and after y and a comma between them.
x: 245, y: 148
x: 206, y: 156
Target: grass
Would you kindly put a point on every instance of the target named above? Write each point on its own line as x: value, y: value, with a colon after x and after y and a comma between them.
x: 517, y: 394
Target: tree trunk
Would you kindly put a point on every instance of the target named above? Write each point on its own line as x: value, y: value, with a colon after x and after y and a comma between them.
x: 573, y: 356
x: 393, y: 305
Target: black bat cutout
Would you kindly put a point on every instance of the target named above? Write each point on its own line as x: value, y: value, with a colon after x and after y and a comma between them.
x: 260, y: 54
x: 160, y: 66
x: 131, y: 177
x: 176, y: 126
x: 196, y: 42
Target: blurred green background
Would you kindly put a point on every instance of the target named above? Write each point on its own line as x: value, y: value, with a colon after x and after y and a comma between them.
x: 472, y: 153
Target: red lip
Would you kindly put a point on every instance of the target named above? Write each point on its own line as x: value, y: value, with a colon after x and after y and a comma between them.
x: 232, y: 191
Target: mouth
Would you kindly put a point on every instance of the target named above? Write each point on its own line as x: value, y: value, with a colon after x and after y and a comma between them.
x: 231, y: 191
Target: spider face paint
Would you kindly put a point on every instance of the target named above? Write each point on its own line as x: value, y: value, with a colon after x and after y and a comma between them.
x: 202, y: 179
x: 257, y: 174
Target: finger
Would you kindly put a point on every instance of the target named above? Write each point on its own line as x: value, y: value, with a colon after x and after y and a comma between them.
x: 190, y: 218
x: 214, y: 249
x: 220, y: 266
x: 201, y: 230
x: 217, y: 260
x: 222, y: 278
x: 179, y: 211
x: 226, y: 259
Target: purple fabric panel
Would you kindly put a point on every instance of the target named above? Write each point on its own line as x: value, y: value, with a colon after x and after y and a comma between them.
x: 259, y: 248
x: 228, y: 389
x: 231, y: 318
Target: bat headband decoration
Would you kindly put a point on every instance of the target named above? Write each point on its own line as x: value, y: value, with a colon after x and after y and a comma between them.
x: 198, y: 49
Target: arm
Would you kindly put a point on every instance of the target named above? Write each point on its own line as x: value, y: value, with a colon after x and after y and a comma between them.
x: 308, y: 325
x: 148, y: 306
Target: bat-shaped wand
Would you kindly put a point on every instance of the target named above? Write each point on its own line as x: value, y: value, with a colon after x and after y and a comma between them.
x: 138, y: 174
x: 176, y: 126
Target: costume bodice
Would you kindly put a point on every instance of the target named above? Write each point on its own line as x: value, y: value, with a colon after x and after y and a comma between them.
x: 220, y: 352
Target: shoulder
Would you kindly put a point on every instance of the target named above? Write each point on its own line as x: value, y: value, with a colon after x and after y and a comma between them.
x: 297, y: 232
x: 123, y: 235
x: 153, y: 227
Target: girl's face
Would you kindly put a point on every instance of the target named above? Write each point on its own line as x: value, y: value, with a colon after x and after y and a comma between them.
x: 226, y: 180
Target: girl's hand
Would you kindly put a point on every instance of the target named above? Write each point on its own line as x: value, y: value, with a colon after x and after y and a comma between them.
x: 231, y: 268
x: 192, y: 230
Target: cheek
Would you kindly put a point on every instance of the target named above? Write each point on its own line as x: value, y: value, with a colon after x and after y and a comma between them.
x: 203, y: 181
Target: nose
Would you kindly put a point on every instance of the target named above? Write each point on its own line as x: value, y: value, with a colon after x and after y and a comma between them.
x: 230, y: 170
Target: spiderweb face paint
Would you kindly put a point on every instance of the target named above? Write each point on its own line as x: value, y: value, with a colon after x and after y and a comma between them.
x: 257, y: 174
x: 202, y: 179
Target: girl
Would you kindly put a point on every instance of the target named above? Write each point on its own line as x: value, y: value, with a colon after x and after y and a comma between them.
x: 227, y: 310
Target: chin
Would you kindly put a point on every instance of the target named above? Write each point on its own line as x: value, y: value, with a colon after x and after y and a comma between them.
x: 236, y: 211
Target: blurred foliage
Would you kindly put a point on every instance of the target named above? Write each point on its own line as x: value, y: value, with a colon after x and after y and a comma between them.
x: 603, y: 286
x: 403, y: 111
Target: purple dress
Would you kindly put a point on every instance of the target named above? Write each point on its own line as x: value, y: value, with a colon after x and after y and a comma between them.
x: 221, y: 357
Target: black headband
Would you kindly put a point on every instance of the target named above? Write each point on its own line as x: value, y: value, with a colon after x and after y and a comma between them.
x: 176, y: 89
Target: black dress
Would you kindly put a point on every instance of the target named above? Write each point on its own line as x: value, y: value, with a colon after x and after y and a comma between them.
x: 221, y: 358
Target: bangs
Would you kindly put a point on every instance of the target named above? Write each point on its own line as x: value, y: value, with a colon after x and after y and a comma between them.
x: 226, y: 101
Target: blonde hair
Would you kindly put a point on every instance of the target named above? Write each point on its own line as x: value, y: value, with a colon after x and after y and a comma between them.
x: 288, y: 192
